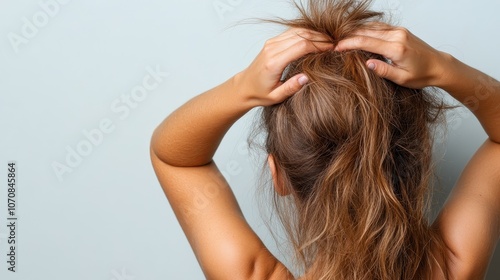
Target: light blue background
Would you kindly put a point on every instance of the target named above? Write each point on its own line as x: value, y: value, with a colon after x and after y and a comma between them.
x: 108, y: 218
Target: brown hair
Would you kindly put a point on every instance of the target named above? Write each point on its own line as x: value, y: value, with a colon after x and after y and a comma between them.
x: 355, y: 151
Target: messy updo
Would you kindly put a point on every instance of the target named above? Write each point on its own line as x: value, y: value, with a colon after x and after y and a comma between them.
x: 354, y: 150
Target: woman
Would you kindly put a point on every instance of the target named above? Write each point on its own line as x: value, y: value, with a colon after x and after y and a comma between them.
x: 349, y: 138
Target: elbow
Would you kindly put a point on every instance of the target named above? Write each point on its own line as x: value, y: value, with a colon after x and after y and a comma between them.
x: 160, y: 150
x: 152, y: 144
x: 157, y: 158
x: 154, y: 149
x: 494, y: 140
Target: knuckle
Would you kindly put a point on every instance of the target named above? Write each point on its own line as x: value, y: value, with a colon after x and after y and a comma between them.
x: 289, y: 90
x: 399, y: 49
x: 270, y: 64
x: 403, y: 33
x: 383, y: 70
x: 268, y: 44
x: 306, y: 34
x: 303, y: 44
x: 267, y: 53
x: 303, y: 32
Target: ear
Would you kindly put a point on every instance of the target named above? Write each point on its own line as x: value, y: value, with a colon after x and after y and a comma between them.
x: 277, y: 180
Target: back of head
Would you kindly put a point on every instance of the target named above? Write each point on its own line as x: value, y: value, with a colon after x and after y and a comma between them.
x: 355, y: 152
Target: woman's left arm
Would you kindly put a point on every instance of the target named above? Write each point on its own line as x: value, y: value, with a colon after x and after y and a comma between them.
x: 183, y: 145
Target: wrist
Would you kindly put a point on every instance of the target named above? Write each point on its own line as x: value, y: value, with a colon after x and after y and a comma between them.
x: 445, y: 68
x: 239, y: 100
x: 242, y: 92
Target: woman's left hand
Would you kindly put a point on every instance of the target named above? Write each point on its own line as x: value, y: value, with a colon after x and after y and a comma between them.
x: 260, y: 82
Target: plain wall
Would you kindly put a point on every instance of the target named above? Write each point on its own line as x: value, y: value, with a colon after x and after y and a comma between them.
x: 80, y: 68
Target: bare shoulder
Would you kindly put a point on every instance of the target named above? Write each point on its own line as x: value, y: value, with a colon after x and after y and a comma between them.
x: 469, y: 222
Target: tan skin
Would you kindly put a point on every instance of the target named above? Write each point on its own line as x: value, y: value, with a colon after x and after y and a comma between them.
x: 183, y: 145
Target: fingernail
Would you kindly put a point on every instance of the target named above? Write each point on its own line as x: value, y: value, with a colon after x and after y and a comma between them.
x: 371, y: 66
x: 303, y: 80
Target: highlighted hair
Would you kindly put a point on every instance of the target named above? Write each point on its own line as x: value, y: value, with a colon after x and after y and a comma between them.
x: 355, y: 151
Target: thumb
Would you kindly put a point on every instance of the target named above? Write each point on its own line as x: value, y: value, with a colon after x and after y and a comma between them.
x: 290, y: 87
x: 382, y: 69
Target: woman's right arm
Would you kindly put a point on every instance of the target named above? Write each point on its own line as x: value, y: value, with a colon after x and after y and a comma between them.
x: 415, y: 64
x: 470, y: 219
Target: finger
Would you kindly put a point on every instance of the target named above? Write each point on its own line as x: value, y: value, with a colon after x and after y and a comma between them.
x: 298, y: 42
x: 387, y: 35
x: 286, y: 42
x: 318, y: 39
x: 287, y: 34
x: 288, y: 88
x: 300, y: 30
x: 366, y: 43
x: 301, y: 33
x: 385, y: 70
x: 280, y: 46
x: 379, y: 25
x: 298, y: 50
x: 379, y: 30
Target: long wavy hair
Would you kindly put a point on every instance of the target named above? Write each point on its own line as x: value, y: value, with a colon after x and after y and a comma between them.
x: 355, y: 152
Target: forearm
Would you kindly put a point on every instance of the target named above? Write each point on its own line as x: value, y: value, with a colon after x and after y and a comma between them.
x: 191, y: 134
x: 415, y: 64
x: 476, y: 90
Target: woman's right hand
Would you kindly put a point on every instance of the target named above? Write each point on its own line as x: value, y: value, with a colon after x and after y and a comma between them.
x: 415, y: 64
x: 260, y: 82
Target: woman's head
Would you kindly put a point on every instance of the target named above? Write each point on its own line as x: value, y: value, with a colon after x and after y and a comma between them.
x: 353, y: 151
